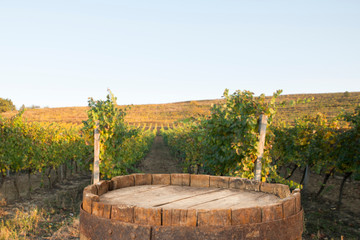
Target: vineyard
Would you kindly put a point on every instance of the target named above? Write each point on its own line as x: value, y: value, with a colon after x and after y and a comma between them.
x: 32, y: 147
x: 330, y: 104
x: 40, y: 147
x: 52, y: 149
x: 218, y: 137
x: 225, y: 143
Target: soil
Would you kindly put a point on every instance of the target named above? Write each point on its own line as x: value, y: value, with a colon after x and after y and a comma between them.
x: 7, y: 189
x: 159, y: 159
x: 59, y: 207
x: 322, y: 218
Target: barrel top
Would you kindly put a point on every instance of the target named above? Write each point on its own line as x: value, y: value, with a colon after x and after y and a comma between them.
x: 186, y: 197
x: 195, y: 201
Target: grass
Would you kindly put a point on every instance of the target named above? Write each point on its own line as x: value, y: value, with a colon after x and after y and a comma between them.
x: 25, y: 224
x: 38, y: 223
x: 49, y: 214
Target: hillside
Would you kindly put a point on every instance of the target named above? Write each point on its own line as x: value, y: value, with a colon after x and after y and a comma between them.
x: 331, y: 104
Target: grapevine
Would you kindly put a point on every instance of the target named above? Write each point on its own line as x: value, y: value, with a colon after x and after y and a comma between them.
x: 121, y: 146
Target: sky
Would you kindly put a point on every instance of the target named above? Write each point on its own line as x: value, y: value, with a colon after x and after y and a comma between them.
x: 59, y: 53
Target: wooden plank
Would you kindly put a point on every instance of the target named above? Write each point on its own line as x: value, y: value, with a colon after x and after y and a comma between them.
x: 245, y: 199
x: 169, y: 199
x: 219, y: 181
x: 122, y: 213
x: 199, y: 180
x: 262, y: 130
x: 200, y: 199
x: 214, y: 217
x: 147, y: 216
x: 142, y: 178
x: 129, y: 191
x: 157, y: 197
x: 243, y: 216
x: 161, y: 179
x: 96, y: 170
x: 272, y: 212
x: 122, y: 182
x: 179, y: 217
x: 182, y: 179
x: 183, y: 197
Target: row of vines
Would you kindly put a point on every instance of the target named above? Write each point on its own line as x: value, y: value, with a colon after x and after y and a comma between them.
x: 40, y: 148
x: 317, y: 144
x: 226, y: 141
x: 121, y: 146
x: 49, y: 149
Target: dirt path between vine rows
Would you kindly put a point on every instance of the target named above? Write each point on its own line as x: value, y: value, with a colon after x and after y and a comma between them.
x: 159, y: 159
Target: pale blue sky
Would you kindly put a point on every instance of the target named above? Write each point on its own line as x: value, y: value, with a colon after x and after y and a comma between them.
x: 59, y: 53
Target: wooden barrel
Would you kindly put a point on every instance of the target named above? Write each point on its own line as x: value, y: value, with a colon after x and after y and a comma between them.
x: 185, y: 206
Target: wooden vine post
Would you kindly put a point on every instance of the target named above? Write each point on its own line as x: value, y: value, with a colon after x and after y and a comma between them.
x: 96, y: 170
x: 262, y: 130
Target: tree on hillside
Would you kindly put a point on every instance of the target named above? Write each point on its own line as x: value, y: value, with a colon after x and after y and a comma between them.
x: 6, y: 105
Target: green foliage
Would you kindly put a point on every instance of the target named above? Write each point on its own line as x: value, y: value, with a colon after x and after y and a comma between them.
x: 121, y: 146
x: 233, y: 134
x: 6, y: 105
x: 308, y: 142
x: 23, y: 225
x: 186, y: 142
x: 36, y: 147
x: 226, y: 143
x: 13, y: 144
x: 347, y: 149
x: 324, y: 145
